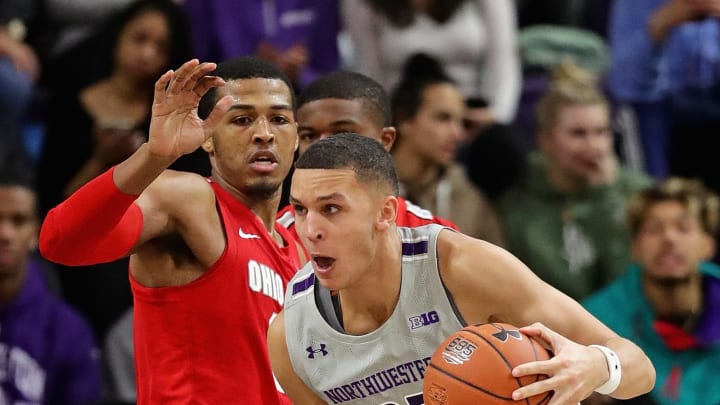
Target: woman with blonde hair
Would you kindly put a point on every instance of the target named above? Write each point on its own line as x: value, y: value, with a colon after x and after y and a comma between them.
x: 565, y: 219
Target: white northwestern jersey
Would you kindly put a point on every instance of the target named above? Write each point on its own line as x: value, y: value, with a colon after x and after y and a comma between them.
x: 387, y: 365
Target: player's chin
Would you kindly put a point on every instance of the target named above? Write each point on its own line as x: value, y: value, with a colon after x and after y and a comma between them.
x: 329, y: 282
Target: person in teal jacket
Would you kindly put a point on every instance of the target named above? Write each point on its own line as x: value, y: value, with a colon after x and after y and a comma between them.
x: 565, y: 219
x: 668, y: 301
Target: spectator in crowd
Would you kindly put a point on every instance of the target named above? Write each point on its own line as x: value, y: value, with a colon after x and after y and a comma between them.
x: 49, y: 352
x: 668, y: 301
x: 428, y: 110
x: 564, y: 218
x: 300, y: 36
x: 475, y: 40
x: 104, y: 122
x: 19, y: 66
x: 666, y: 59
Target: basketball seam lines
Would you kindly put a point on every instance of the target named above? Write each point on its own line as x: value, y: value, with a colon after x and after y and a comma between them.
x: 517, y: 379
x: 454, y: 377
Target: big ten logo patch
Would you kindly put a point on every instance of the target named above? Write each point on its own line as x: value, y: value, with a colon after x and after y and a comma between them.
x: 425, y: 319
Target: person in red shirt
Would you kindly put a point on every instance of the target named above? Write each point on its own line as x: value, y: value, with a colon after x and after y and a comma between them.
x: 345, y: 101
x: 208, y: 263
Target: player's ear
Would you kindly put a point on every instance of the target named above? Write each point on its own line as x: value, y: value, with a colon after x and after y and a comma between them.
x: 388, y: 212
x: 708, y: 246
x: 208, y: 146
x: 387, y: 137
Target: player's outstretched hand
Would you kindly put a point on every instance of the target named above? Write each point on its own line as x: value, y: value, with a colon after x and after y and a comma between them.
x: 573, y: 372
x: 175, y: 128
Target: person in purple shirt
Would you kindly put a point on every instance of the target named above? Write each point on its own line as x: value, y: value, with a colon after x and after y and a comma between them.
x: 48, y: 353
x: 300, y: 36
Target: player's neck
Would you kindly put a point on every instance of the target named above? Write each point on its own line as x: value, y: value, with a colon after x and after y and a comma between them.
x: 675, y: 300
x: 10, y: 285
x: 371, y: 300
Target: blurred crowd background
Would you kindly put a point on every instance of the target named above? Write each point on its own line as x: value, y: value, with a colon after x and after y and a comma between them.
x: 580, y: 135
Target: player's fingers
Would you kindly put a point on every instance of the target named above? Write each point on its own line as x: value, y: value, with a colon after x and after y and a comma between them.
x: 181, y: 76
x: 547, y: 367
x: 206, y: 83
x: 161, y: 86
x: 216, y: 114
x: 536, y: 388
x: 197, y: 74
x: 541, y: 333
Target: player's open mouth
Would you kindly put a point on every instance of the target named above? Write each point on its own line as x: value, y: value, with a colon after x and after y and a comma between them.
x: 323, y: 263
x: 264, y: 160
x: 266, y: 157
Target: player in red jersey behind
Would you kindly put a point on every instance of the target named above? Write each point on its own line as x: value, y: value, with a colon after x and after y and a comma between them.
x: 345, y: 101
x: 208, y: 264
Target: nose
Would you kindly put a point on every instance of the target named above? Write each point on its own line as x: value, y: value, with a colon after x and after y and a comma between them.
x: 598, y: 141
x: 7, y: 230
x: 262, y: 132
x: 459, y: 133
x: 670, y: 234
x: 313, y: 228
x: 149, y: 51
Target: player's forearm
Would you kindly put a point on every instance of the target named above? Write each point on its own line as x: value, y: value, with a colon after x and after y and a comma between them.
x: 134, y: 174
x: 638, y: 373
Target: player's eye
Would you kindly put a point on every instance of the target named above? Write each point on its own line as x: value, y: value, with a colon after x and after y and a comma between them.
x: 299, y: 209
x: 331, y: 209
x: 280, y: 119
x: 241, y: 120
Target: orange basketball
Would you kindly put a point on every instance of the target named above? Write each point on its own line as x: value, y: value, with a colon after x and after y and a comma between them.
x: 474, y: 364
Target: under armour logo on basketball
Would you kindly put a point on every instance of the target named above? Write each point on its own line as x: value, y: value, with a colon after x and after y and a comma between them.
x: 502, y: 334
x: 247, y: 235
x: 313, y: 351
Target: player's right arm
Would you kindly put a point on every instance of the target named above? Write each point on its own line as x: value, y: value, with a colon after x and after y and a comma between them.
x: 490, y: 284
x: 101, y: 222
x: 293, y: 386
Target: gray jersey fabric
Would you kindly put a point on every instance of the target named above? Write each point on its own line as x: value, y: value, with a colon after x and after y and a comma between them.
x: 387, y: 365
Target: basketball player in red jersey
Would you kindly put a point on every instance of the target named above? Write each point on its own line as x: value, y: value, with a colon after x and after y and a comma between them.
x: 208, y: 264
x: 345, y: 101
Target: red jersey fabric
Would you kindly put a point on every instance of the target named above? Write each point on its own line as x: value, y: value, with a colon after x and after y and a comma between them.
x: 205, y: 342
x: 408, y: 215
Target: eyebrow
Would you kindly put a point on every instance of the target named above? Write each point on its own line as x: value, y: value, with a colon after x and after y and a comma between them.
x: 332, y: 196
x: 253, y: 107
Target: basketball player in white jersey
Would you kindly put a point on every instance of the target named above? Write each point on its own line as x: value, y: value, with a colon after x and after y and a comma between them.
x: 362, y: 319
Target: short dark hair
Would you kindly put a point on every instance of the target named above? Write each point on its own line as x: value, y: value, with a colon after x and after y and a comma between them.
x: 238, y: 68
x: 18, y: 171
x: 420, y: 72
x: 347, y: 85
x: 369, y: 160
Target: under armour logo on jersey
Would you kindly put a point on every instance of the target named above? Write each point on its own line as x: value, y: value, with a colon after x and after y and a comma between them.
x: 313, y: 351
x: 502, y: 334
x: 247, y: 235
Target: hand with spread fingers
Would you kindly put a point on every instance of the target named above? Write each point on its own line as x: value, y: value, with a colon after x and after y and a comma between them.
x: 573, y: 372
x: 176, y: 128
